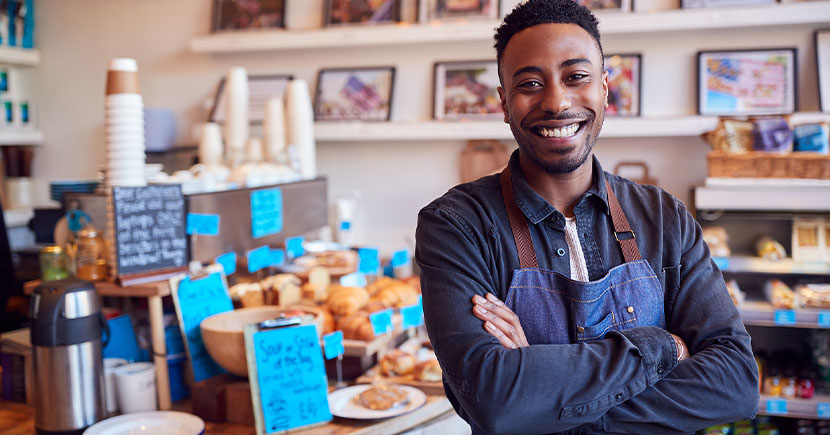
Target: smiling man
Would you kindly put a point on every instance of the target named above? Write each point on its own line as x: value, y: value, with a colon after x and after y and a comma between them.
x: 559, y: 297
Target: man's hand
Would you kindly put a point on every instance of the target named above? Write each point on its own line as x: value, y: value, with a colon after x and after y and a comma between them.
x: 499, y: 321
x: 682, y: 349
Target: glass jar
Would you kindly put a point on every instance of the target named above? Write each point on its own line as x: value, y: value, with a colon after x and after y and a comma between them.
x: 91, y: 255
x: 53, y: 264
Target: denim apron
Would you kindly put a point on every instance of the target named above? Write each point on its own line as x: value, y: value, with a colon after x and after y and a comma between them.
x: 554, y: 309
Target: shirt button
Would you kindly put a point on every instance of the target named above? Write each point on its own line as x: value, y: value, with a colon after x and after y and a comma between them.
x: 619, y: 396
x: 660, y: 369
x: 560, y: 252
x: 580, y: 329
x: 630, y: 309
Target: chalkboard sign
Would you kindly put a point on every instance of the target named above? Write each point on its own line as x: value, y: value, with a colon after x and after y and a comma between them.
x: 149, y: 228
x: 196, y: 300
x: 288, y: 378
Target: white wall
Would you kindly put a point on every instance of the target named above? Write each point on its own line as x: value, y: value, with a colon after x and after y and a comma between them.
x: 78, y: 37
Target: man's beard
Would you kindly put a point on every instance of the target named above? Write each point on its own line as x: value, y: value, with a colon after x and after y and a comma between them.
x: 567, y: 165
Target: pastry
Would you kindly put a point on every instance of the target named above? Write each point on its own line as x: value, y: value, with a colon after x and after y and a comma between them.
x: 393, y: 293
x: 328, y: 321
x: 282, y: 289
x: 428, y: 371
x: 248, y: 294
x: 382, y: 397
x: 397, y: 363
x: 345, y: 301
x: 356, y: 327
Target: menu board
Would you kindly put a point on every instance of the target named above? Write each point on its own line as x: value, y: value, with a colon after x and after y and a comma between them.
x: 288, y: 378
x: 149, y: 228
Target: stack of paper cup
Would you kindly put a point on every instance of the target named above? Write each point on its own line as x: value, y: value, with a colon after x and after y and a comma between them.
x: 124, y: 125
x: 300, y: 126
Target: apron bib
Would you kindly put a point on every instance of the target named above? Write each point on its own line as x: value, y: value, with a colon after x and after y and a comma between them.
x: 554, y: 309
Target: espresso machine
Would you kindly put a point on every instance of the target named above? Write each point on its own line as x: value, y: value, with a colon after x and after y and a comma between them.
x: 66, y: 332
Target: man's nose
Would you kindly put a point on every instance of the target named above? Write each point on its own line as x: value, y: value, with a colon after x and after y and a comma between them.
x: 556, y: 98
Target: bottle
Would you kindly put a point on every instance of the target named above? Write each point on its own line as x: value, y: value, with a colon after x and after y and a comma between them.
x: 53, y: 264
x: 806, y: 384
x: 788, y: 384
x: 772, y: 383
x: 91, y: 256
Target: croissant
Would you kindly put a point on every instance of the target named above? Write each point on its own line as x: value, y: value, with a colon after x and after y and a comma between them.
x: 345, y: 301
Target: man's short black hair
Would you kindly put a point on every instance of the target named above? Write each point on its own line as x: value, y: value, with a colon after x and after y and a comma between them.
x: 535, y: 12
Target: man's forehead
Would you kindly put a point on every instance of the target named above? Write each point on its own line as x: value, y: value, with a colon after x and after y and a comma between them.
x: 553, y: 38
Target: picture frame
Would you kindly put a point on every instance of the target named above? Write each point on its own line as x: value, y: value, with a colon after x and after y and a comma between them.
x: 822, y: 38
x: 747, y: 82
x: 466, y: 90
x: 354, y: 94
x: 624, y: 84
x: 236, y: 15
x: 439, y: 10
x: 697, y: 4
x: 361, y: 12
x: 261, y: 88
x: 606, y: 5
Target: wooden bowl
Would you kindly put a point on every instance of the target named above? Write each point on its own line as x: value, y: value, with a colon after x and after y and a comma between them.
x: 224, y: 338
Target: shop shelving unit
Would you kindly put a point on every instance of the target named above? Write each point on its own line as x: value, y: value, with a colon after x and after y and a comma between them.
x: 816, y: 408
x: 21, y: 136
x: 19, y: 56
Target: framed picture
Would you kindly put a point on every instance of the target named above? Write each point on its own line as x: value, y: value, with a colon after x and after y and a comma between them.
x: 624, y: 84
x: 467, y: 90
x: 247, y: 14
x: 354, y: 94
x: 260, y: 90
x: 694, y: 4
x: 607, y: 5
x: 823, y: 63
x: 340, y: 12
x: 747, y: 82
x: 454, y: 9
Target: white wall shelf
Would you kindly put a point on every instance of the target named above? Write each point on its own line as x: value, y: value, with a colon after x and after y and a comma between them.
x: 759, y: 313
x: 797, y: 408
x: 19, y: 56
x: 18, y: 217
x: 753, y: 194
x: 739, y: 264
x: 496, y: 129
x: 474, y: 30
x: 18, y: 136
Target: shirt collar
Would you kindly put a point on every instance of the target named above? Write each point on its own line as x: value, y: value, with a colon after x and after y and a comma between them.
x: 536, y: 208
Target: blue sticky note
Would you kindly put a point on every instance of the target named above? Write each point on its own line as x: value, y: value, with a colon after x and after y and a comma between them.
x: 355, y: 279
x: 776, y: 406
x: 381, y: 321
x: 276, y: 257
x: 121, y: 342
x: 203, y: 224
x: 333, y: 344
x: 785, y: 317
x: 291, y: 374
x: 294, y: 247
x: 368, y: 261
x: 345, y: 225
x: 228, y: 261
x: 266, y: 212
x: 259, y: 258
x: 823, y: 410
x: 824, y: 319
x: 400, y: 258
x: 196, y: 301
x: 413, y: 316
x: 721, y: 262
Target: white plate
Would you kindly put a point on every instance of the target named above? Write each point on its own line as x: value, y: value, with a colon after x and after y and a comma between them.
x: 154, y: 422
x: 343, y: 403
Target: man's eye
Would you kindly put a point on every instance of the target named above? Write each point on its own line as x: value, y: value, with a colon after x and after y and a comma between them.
x: 577, y: 76
x: 530, y: 84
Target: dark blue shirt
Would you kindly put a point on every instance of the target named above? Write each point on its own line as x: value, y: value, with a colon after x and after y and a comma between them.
x: 629, y: 382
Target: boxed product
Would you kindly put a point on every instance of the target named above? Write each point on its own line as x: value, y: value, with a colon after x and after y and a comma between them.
x: 812, y: 138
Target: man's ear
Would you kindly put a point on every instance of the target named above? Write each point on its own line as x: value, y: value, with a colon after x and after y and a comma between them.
x: 503, y: 98
x: 605, y: 86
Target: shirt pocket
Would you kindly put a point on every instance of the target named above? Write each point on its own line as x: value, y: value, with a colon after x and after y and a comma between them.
x: 597, y: 331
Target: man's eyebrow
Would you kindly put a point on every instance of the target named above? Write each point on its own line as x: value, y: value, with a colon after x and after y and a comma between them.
x: 527, y: 69
x: 575, y: 61
x: 565, y: 64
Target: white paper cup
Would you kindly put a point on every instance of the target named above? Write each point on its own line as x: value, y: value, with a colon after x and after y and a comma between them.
x: 123, y: 99
x: 114, y: 130
x: 110, y: 364
x: 136, y: 387
x: 125, y: 138
x: 19, y: 192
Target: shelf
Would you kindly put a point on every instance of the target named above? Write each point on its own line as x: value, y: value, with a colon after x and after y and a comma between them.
x: 18, y: 217
x: 763, y: 194
x: 496, y: 129
x: 106, y: 288
x: 19, y: 56
x: 759, y: 313
x: 482, y: 30
x: 748, y: 264
x: 20, y: 136
x: 817, y: 407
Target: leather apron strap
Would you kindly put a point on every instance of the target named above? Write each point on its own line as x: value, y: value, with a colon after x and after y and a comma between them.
x: 521, y: 231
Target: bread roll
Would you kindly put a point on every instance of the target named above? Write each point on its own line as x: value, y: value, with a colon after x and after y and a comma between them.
x: 248, y: 294
x: 282, y: 289
x: 345, y: 301
x: 356, y: 327
x: 428, y: 371
x: 397, y: 363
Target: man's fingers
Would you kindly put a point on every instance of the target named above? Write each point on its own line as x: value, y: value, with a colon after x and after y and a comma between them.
x: 497, y: 327
x: 496, y: 332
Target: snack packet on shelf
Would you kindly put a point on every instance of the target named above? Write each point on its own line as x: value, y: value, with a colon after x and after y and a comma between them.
x: 814, y: 295
x: 769, y: 249
x: 735, y: 292
x: 780, y: 295
x: 718, y: 241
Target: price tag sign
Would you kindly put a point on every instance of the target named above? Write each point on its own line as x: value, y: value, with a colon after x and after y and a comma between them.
x: 721, y: 262
x: 400, y: 258
x: 228, y: 262
x: 823, y: 410
x: 784, y: 317
x: 345, y: 225
x: 294, y: 247
x: 776, y: 406
x: 266, y: 212
x: 413, y: 316
x: 259, y: 258
x: 203, y: 224
x: 381, y: 321
x: 333, y: 344
x: 824, y: 319
x: 368, y: 261
x: 277, y: 257
x: 355, y: 279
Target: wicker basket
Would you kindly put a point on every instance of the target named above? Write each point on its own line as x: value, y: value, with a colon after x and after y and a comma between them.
x: 768, y: 165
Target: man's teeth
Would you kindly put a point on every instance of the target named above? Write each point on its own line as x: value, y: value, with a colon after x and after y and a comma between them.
x: 566, y: 131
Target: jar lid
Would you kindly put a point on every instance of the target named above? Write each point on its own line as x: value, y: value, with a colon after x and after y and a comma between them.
x: 88, y: 232
x: 54, y: 249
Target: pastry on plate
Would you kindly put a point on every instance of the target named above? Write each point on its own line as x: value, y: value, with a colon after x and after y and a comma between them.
x: 382, y: 397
